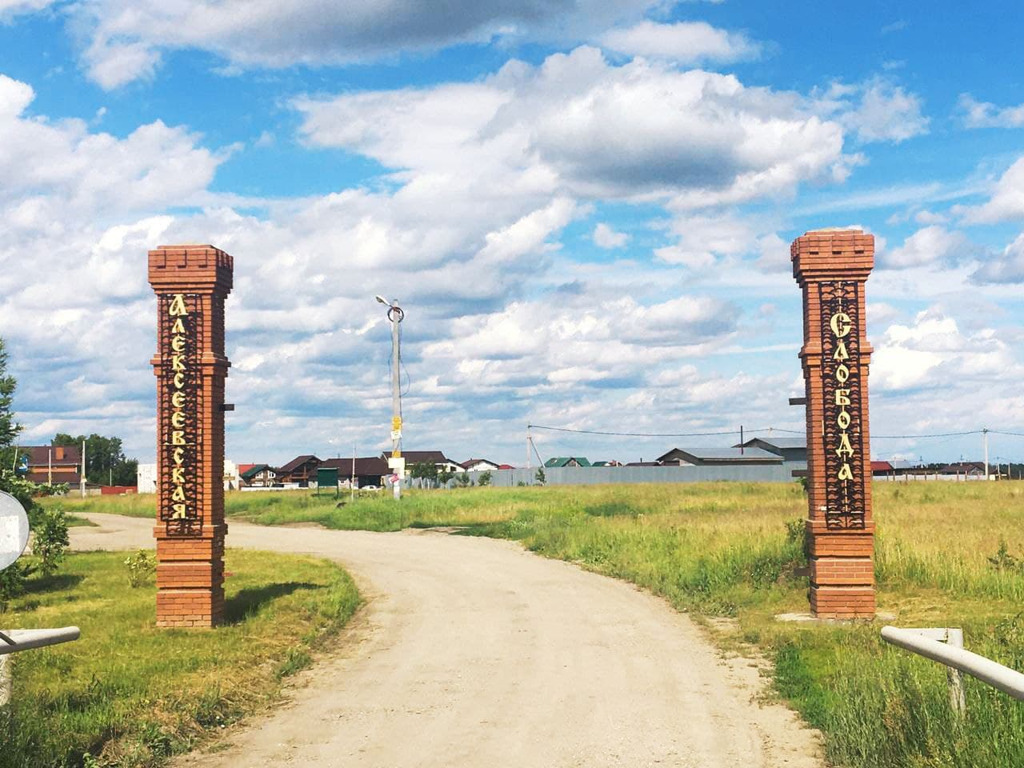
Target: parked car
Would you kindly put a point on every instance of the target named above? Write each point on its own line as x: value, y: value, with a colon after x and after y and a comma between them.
x: 369, y: 488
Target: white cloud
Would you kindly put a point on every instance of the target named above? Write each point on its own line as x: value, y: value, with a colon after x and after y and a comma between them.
x: 983, y: 114
x: 934, y: 352
x: 930, y: 246
x: 682, y: 42
x: 875, y: 110
x: 606, y: 237
x: 1006, y: 203
x: 578, y: 124
x: 11, y: 8
x: 1007, y: 267
x: 125, y: 40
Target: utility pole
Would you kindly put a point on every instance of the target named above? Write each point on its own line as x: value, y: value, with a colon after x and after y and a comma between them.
x: 529, y: 459
x: 396, y: 463
x: 82, y: 480
x: 352, y: 482
x: 984, y: 433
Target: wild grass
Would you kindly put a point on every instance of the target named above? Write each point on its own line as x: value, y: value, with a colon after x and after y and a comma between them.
x: 947, y: 554
x: 129, y: 694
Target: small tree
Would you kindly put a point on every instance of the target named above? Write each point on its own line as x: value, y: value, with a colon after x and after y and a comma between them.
x: 540, y: 477
x: 484, y: 479
x: 444, y: 476
x: 462, y: 479
x: 425, y: 470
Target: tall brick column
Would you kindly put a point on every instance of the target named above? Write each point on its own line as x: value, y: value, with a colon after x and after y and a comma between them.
x: 832, y: 267
x: 191, y: 283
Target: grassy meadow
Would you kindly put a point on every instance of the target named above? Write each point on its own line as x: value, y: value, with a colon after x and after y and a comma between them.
x: 948, y: 554
x: 128, y: 694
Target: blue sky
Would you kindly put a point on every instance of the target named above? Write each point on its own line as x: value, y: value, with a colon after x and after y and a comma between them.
x: 585, y: 207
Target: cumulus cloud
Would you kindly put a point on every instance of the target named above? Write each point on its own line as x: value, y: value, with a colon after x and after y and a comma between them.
x: 11, y: 8
x: 931, y: 246
x: 579, y: 124
x: 1006, y: 202
x: 125, y: 40
x: 1007, y: 267
x: 983, y: 114
x: 875, y: 110
x: 606, y: 237
x: 682, y: 42
x: 933, y: 351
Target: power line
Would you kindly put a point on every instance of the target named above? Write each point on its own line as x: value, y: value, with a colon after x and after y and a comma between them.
x: 646, y: 434
x: 764, y: 429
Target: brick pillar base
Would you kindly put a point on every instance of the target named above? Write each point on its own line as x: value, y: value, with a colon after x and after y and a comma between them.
x: 190, y: 580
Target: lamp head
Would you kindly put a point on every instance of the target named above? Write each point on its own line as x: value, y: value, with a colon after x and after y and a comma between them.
x: 383, y: 301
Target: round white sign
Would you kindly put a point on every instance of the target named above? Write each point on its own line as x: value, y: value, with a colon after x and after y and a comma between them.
x: 13, y: 529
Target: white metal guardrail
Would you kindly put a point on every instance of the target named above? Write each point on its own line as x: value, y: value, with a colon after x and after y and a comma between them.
x: 928, y: 643
x: 14, y: 640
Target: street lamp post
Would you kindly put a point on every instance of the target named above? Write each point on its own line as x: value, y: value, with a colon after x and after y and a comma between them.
x: 396, y: 463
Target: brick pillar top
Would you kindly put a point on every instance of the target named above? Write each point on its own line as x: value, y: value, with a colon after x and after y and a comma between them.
x: 825, y: 254
x: 190, y: 269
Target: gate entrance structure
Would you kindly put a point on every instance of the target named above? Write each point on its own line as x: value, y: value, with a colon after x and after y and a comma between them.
x: 831, y: 266
x: 191, y: 283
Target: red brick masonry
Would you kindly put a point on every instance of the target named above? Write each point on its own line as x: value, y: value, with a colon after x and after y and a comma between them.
x: 190, y: 527
x: 840, y: 526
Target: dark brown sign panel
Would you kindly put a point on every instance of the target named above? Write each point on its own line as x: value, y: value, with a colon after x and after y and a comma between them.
x: 843, y: 404
x: 181, y: 403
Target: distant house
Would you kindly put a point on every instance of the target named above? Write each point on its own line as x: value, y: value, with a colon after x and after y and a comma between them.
x: 717, y: 457
x: 965, y: 468
x: 299, y: 471
x: 611, y: 463
x: 258, y: 475
x: 505, y: 466
x: 789, y: 448
x: 437, y: 458
x: 368, y: 470
x: 52, y: 463
x: 479, y: 465
x: 881, y: 468
x: 567, y: 461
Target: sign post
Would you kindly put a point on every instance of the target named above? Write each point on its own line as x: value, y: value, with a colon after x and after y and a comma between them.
x: 832, y: 266
x: 191, y: 283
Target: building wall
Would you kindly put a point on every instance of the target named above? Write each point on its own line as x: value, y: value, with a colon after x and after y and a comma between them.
x: 759, y: 473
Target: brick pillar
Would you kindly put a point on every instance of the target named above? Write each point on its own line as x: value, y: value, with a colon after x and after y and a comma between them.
x: 831, y: 267
x: 191, y: 283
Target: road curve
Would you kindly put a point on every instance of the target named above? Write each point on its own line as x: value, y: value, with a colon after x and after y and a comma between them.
x: 473, y: 652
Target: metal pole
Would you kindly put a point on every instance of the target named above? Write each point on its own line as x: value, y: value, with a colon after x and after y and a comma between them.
x: 984, y: 433
x: 5, y: 682
x: 82, y: 480
x: 49, y: 465
x: 352, y: 482
x: 396, y: 393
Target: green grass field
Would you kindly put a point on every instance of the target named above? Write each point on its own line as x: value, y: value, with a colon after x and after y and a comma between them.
x: 946, y: 555
x: 128, y: 694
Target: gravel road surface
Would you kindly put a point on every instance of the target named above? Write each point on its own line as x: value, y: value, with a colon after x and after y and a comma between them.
x: 474, y: 652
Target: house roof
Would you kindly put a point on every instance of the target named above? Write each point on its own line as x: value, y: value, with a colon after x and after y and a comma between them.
x: 881, y: 466
x: 415, y: 457
x: 782, y: 443
x: 297, y: 462
x: 470, y: 462
x: 562, y: 461
x: 366, y: 466
x: 39, y: 455
x: 253, y: 470
x: 962, y: 468
x: 731, y: 455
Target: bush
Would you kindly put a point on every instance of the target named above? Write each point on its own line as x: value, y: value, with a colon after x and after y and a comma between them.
x: 140, y: 566
x: 484, y: 479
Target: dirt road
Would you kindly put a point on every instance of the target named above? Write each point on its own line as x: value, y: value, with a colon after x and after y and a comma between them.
x: 473, y: 652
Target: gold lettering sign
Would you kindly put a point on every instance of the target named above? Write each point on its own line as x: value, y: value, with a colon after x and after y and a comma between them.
x: 841, y: 390
x: 179, y: 408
